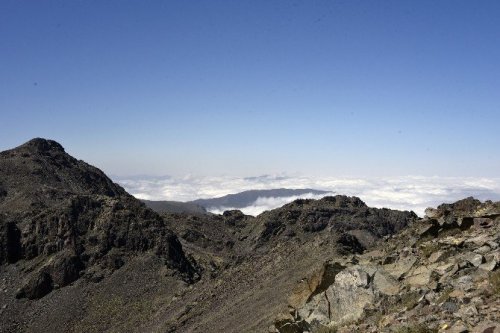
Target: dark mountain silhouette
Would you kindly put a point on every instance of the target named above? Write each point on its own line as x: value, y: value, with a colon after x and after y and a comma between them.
x: 237, y: 200
x: 247, y: 198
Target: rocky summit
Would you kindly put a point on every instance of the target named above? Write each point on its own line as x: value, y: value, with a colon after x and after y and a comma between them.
x: 79, y: 254
x: 61, y: 221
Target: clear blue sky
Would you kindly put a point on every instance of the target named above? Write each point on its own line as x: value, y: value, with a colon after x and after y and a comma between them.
x: 250, y: 87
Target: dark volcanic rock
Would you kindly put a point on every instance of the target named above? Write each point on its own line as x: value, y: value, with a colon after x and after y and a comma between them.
x: 247, y: 198
x: 349, y: 244
x: 39, y: 173
x: 55, y: 205
x: 65, y: 269
x: 175, y: 207
x: 462, y: 207
x: 10, y: 242
x: 38, y: 286
x: 338, y: 214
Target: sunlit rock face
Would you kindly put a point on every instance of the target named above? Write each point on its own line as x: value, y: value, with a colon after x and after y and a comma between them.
x: 439, y: 273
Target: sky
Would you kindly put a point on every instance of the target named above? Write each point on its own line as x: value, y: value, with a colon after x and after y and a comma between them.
x: 246, y: 88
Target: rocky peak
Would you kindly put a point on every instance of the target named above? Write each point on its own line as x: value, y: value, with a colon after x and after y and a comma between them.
x: 40, y: 172
x: 304, y: 218
x: 41, y: 145
x: 344, y: 201
x: 62, y: 218
x: 462, y: 207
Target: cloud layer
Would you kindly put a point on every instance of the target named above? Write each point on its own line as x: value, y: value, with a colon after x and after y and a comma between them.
x: 405, y: 193
x: 267, y: 203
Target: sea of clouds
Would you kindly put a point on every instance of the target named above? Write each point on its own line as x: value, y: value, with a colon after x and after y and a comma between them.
x: 405, y: 193
x: 267, y: 203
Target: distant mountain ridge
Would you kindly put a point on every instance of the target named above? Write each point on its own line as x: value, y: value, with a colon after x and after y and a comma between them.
x: 247, y: 198
x: 230, y: 201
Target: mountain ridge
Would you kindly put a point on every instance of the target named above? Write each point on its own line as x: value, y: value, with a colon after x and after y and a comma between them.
x: 249, y: 197
x: 79, y: 254
x: 67, y: 214
x: 238, y: 200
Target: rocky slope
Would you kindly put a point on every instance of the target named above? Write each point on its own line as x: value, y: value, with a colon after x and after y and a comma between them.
x: 439, y: 275
x: 252, y: 264
x: 62, y: 220
x: 78, y: 254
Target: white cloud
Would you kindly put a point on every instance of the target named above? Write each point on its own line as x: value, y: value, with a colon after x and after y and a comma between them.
x: 267, y: 203
x: 406, y: 193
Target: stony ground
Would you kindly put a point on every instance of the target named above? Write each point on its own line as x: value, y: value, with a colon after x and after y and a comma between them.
x: 439, y: 275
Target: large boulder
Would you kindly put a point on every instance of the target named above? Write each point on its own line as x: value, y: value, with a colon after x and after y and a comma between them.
x: 39, y: 285
x: 343, y: 301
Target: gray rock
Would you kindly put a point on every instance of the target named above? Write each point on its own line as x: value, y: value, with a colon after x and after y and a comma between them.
x: 401, y: 267
x: 493, y: 245
x: 287, y: 325
x: 443, y: 269
x: 474, y: 258
x: 464, y: 283
x: 487, y: 327
x: 458, y: 327
x: 479, y: 240
x: 344, y: 301
x: 420, y: 277
x: 450, y: 307
x: 385, y: 283
x: 436, y: 256
x: 489, y: 266
x: 468, y: 311
x: 432, y: 213
x: 483, y: 249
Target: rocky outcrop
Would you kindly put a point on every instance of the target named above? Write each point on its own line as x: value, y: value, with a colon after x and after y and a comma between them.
x: 441, y: 273
x: 64, y: 219
x: 343, y: 301
x: 341, y: 215
x: 10, y: 242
